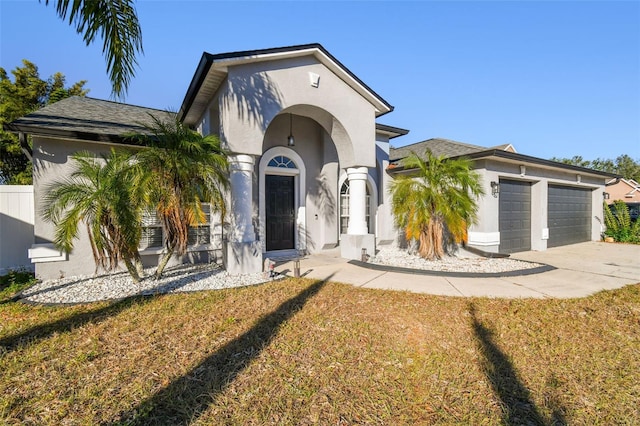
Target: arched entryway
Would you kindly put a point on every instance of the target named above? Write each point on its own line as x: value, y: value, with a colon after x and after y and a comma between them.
x: 282, y: 183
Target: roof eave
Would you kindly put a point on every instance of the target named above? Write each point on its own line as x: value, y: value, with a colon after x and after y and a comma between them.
x: 392, y: 132
x: 515, y: 157
x: 66, y: 134
x: 535, y: 160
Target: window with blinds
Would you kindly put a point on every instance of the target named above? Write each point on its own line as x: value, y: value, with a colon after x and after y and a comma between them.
x: 153, y: 238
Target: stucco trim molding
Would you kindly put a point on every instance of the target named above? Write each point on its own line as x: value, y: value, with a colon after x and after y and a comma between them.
x: 484, y: 239
x: 47, y: 252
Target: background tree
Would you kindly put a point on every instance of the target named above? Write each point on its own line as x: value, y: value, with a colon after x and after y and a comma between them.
x: 116, y: 22
x: 623, y: 165
x: 108, y: 196
x: 439, y: 197
x: 186, y: 169
x: 25, y: 94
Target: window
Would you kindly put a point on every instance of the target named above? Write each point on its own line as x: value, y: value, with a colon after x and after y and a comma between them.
x: 153, y: 238
x: 151, y: 231
x: 344, y: 207
x: 282, y: 162
x: 201, y: 234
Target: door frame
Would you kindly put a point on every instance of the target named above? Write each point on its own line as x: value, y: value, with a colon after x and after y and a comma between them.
x: 299, y: 182
x: 283, y: 188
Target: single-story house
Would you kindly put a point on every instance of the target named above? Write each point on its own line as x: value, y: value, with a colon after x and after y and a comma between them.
x: 309, y: 166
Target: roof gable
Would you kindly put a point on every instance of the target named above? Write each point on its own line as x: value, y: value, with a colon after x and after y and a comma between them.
x: 212, y: 70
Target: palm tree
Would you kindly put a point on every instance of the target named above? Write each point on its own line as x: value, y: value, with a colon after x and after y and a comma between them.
x: 117, y: 23
x: 438, y: 198
x: 186, y: 169
x: 107, y: 196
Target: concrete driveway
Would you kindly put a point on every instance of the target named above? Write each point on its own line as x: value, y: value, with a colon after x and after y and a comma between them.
x: 581, y: 269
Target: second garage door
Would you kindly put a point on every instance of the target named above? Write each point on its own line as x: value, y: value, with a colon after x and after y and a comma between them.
x: 514, y: 216
x: 569, y: 215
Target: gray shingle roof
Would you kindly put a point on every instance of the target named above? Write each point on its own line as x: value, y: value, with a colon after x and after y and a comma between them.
x: 88, y: 119
x: 438, y: 147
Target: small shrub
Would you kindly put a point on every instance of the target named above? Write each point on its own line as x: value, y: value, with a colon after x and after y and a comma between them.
x: 619, y: 224
x: 15, y: 281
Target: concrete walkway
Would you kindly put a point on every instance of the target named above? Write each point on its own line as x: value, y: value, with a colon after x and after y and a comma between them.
x: 581, y: 269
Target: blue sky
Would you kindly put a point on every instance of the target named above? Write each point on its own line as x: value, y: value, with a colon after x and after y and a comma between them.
x: 553, y: 78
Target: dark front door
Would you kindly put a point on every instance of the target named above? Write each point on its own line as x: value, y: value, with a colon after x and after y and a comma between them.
x: 281, y: 218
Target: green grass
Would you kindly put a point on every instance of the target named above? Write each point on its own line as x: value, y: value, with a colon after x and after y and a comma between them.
x: 301, y: 352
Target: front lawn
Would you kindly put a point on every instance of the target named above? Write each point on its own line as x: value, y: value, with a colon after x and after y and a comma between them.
x: 299, y: 352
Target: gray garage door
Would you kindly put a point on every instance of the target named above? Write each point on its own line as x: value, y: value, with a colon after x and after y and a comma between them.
x: 569, y: 215
x: 515, y: 216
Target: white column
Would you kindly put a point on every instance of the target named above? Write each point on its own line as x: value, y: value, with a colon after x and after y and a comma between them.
x: 357, y: 201
x: 241, y: 178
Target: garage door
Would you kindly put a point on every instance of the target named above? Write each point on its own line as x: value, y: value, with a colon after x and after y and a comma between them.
x: 514, y: 216
x: 569, y: 215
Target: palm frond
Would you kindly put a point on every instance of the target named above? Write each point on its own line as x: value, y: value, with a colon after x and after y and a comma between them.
x: 117, y: 24
x: 440, y: 194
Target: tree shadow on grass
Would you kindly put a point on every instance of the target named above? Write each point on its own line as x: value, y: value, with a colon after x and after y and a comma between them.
x: 42, y: 331
x: 187, y: 397
x: 515, y: 398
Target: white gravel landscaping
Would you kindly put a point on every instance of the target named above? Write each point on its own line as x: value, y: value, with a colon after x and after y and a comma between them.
x: 81, y: 289
x: 463, y: 261
x: 187, y: 278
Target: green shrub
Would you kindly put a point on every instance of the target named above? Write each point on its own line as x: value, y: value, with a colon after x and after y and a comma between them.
x: 619, y: 225
x: 15, y: 281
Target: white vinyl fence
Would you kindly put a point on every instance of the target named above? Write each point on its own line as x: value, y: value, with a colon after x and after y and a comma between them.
x: 16, y: 227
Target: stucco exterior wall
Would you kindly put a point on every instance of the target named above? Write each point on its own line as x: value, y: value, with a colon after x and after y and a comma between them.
x: 51, y: 159
x: 51, y: 162
x: 385, y: 228
x: 486, y: 233
x: 254, y: 94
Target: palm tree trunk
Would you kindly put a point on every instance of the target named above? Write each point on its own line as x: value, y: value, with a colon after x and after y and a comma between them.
x: 132, y: 270
x: 139, y: 267
x: 163, y: 263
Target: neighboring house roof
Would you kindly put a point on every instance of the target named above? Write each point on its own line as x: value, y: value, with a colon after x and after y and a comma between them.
x: 88, y: 119
x: 392, y: 132
x: 628, y: 187
x: 213, y: 69
x: 506, y: 153
x: 505, y: 147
